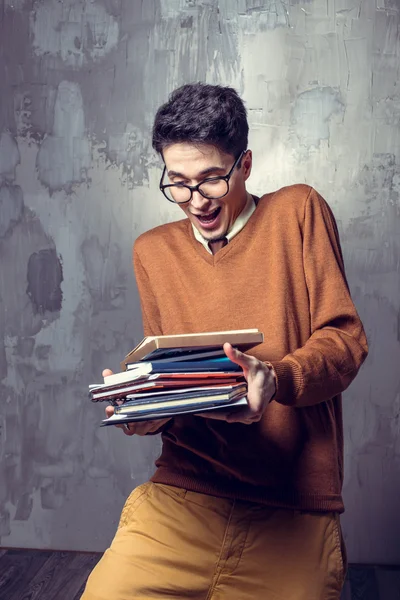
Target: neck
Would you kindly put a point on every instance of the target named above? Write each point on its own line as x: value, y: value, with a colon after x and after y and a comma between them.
x: 247, y: 200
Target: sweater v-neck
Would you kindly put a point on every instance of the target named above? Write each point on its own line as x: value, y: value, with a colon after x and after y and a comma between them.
x: 214, y: 259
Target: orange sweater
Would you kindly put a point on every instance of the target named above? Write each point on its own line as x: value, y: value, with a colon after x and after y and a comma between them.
x: 283, y: 273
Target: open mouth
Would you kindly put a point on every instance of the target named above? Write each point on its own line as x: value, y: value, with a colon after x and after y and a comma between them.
x: 210, y: 217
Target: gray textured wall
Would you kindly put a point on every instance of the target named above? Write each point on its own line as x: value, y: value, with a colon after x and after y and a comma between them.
x: 80, y: 82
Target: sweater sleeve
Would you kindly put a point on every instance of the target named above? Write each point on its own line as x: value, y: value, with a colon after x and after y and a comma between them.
x: 328, y: 362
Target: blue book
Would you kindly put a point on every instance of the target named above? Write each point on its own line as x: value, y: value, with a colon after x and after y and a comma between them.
x: 181, y: 354
x: 220, y: 363
x: 146, y: 369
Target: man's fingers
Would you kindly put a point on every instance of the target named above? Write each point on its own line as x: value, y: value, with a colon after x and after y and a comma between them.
x: 128, y: 428
x: 107, y: 372
x: 244, y: 415
x: 109, y: 411
x: 140, y: 428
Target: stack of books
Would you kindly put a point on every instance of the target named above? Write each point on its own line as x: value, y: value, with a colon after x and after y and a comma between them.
x: 166, y: 376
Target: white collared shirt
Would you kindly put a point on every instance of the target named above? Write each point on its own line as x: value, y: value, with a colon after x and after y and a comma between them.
x: 236, y: 227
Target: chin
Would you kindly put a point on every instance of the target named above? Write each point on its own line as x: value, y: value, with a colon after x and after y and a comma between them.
x: 212, y: 236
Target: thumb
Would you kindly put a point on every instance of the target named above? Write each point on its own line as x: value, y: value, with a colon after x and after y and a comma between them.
x: 107, y: 372
x: 236, y: 356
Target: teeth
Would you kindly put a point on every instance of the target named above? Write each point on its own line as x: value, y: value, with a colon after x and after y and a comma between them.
x: 210, y: 215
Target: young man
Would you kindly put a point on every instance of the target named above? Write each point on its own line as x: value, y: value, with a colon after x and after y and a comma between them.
x: 245, y: 506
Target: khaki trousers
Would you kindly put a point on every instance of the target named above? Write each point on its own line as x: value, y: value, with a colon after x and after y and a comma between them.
x: 172, y: 543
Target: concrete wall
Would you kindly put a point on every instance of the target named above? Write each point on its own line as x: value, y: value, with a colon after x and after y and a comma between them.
x: 80, y: 83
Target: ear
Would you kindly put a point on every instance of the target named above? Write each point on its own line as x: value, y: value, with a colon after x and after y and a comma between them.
x: 247, y: 163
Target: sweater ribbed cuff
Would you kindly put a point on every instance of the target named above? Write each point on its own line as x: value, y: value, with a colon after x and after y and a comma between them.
x: 289, y: 382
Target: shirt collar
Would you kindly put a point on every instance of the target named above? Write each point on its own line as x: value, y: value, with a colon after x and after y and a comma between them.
x: 236, y: 227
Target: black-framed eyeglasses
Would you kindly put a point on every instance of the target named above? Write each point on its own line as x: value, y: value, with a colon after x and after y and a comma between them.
x: 211, y: 188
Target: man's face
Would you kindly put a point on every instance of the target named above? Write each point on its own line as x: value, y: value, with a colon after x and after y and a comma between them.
x: 190, y: 164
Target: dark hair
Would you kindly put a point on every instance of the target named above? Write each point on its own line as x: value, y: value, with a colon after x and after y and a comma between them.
x: 202, y: 114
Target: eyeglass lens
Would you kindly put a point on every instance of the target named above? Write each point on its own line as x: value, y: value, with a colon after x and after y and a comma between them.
x: 209, y: 189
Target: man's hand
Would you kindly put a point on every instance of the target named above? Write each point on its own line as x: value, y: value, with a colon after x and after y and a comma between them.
x: 261, y: 384
x: 139, y: 428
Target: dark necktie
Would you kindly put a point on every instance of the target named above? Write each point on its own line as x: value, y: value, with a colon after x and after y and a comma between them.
x: 217, y: 245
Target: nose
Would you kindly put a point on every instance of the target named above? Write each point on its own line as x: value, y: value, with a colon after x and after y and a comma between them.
x: 199, y: 202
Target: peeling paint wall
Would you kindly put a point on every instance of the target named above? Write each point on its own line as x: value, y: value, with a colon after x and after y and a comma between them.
x: 80, y: 83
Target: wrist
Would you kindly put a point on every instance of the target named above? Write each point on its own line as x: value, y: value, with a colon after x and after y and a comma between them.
x: 275, y: 379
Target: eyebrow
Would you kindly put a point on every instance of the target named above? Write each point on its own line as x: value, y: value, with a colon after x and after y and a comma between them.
x: 203, y: 173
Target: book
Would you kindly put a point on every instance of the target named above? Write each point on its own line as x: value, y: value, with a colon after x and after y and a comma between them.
x: 162, y: 382
x: 198, y: 395
x: 177, y: 392
x: 102, y: 393
x: 122, y: 419
x: 172, y: 406
x: 159, y: 346
x: 219, y: 364
x: 180, y: 354
x: 177, y: 374
x: 215, y: 363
